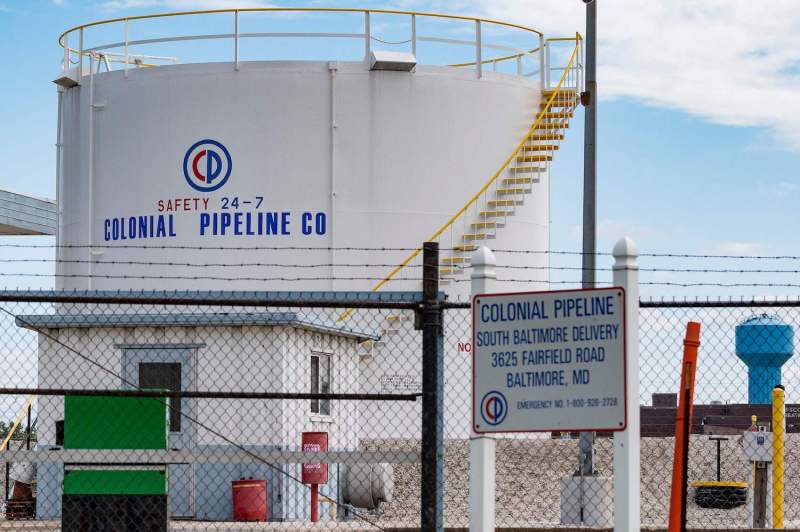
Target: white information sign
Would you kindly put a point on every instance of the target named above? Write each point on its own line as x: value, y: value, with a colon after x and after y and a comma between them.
x: 549, y: 361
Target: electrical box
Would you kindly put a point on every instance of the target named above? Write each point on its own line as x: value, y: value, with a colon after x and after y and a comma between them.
x: 757, y: 446
x: 115, y: 422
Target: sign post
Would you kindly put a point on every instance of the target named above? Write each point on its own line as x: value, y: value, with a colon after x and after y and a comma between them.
x: 627, y: 512
x: 482, y: 446
x: 556, y: 361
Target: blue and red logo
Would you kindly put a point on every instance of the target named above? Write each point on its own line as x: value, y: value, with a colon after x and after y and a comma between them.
x: 494, y: 408
x: 207, y: 165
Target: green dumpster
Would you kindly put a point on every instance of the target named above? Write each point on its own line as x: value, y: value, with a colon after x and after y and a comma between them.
x: 118, y: 496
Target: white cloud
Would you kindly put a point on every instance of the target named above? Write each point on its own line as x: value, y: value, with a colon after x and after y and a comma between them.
x: 738, y: 248
x: 733, y: 62
x: 119, y: 5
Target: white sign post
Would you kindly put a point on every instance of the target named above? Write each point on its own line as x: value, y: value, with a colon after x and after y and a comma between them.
x: 549, y: 361
x: 528, y: 401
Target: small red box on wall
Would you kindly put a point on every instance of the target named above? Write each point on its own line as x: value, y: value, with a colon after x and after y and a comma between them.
x: 315, y: 473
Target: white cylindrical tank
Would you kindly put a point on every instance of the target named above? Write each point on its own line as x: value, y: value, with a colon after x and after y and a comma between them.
x: 283, y: 154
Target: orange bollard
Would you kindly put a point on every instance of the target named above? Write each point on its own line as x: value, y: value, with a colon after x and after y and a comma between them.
x: 683, y: 429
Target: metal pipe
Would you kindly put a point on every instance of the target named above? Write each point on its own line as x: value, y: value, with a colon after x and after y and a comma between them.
x: 333, y: 67
x: 589, y: 200
x: 57, y: 392
x: 389, y: 300
x: 478, y: 49
x: 432, y: 445
x: 65, y: 66
x: 236, y: 40
x: 90, y: 173
x: 28, y: 429
x: 541, y: 61
x: 8, y: 467
x: 414, y: 35
x: 59, y: 184
x: 127, y: 54
x: 80, y: 54
x: 314, y: 503
x: 367, y: 37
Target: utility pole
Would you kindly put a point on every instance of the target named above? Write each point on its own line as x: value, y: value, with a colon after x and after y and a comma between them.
x: 589, y: 100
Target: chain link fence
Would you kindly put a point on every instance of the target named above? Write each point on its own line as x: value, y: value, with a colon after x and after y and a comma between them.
x: 209, y: 413
x: 237, y: 385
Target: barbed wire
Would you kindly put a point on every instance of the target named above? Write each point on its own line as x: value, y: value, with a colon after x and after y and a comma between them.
x: 396, y: 279
x: 205, y: 248
x: 389, y: 248
x: 208, y: 264
x: 376, y: 265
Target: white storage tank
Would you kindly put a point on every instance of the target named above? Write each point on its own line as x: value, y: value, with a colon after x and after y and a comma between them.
x: 199, y: 154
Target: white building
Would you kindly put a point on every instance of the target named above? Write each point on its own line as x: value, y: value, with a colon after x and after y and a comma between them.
x: 252, y: 352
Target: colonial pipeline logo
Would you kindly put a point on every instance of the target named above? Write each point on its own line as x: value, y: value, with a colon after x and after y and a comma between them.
x: 207, y: 165
x: 494, y: 408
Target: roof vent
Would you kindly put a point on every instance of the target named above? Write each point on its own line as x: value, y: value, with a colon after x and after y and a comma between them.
x: 396, y: 61
x: 68, y: 79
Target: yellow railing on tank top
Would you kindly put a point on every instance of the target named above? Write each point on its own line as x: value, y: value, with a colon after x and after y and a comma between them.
x: 63, y: 39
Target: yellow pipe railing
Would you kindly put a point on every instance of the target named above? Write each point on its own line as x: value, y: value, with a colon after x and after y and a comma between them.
x: 70, y: 50
x: 295, y: 10
x: 495, y: 59
x: 17, y: 421
x: 514, y: 56
x: 485, y: 187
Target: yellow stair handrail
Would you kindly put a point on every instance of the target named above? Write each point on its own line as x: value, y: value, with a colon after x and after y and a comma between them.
x: 17, y: 421
x: 485, y: 187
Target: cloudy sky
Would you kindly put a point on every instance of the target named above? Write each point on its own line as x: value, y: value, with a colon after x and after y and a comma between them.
x: 699, y: 137
x: 699, y: 133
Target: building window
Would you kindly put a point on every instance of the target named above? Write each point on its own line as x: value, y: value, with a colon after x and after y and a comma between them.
x: 320, y: 382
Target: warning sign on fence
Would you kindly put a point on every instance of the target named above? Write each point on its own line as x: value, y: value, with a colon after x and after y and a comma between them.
x: 549, y: 361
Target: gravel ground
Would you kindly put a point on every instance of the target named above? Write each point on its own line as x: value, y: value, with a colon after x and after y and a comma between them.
x: 528, y: 476
x: 529, y: 472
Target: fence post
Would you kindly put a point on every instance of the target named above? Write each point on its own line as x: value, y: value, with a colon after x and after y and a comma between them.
x: 482, y: 446
x: 432, y: 488
x: 626, y: 443
x: 778, y: 435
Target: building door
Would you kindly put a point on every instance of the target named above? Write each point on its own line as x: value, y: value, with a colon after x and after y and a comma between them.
x: 171, y: 369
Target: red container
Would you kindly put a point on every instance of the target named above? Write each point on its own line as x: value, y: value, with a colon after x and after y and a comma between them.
x: 250, y: 500
x: 315, y: 473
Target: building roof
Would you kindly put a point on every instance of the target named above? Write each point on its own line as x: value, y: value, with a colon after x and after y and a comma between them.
x: 26, y: 215
x: 267, y: 319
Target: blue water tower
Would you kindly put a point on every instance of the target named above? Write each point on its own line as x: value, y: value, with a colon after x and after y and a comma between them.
x: 764, y: 343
